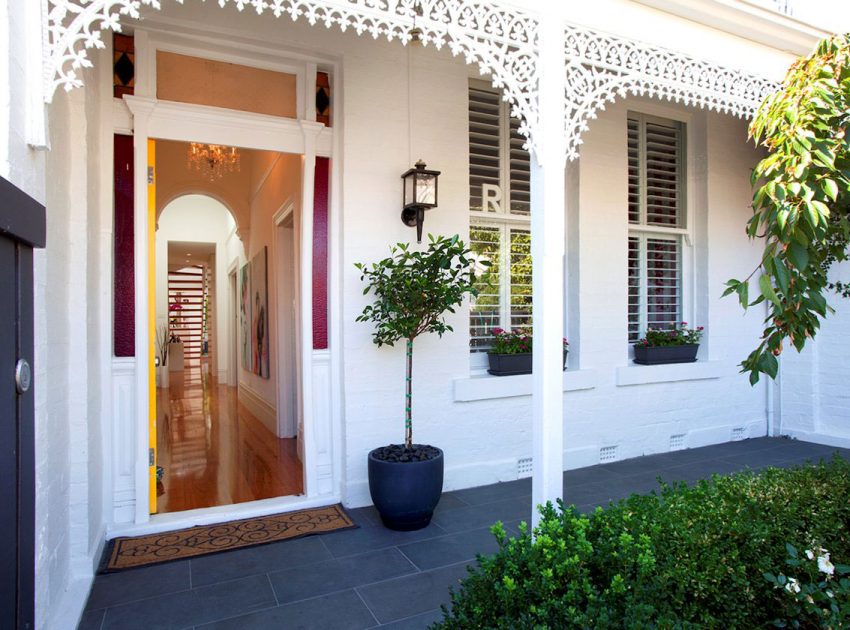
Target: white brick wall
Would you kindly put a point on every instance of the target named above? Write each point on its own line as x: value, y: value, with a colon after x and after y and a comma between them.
x: 815, y: 401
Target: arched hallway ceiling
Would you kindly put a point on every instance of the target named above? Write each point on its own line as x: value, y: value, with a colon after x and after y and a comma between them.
x: 176, y: 178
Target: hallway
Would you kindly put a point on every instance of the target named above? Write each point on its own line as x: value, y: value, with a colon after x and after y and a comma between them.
x: 213, y: 451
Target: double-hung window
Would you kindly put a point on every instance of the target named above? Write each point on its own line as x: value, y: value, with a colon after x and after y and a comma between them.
x: 657, y: 205
x: 500, y: 219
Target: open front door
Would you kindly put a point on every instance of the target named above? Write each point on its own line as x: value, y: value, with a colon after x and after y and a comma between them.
x: 152, y: 321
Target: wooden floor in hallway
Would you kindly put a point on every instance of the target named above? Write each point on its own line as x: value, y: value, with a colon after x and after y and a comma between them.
x: 214, y: 451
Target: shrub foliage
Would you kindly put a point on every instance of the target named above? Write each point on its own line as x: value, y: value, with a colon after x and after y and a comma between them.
x: 686, y: 557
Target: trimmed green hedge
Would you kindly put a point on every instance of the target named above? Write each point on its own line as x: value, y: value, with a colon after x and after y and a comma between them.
x: 688, y: 557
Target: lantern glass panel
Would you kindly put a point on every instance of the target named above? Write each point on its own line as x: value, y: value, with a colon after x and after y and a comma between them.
x: 426, y: 189
x: 409, y: 189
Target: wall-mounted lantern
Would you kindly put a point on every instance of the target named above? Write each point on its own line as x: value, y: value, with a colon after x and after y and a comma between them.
x: 420, y: 194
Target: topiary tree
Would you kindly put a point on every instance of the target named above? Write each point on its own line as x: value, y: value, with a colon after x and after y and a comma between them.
x: 413, y: 290
x: 801, y: 201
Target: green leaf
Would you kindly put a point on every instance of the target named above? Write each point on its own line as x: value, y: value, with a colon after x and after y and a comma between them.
x: 798, y: 254
x: 830, y: 188
x: 767, y: 290
x: 780, y: 272
x: 743, y: 293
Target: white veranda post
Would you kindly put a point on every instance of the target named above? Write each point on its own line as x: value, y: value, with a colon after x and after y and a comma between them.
x: 547, y: 252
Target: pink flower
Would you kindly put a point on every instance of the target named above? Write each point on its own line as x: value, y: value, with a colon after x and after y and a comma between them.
x: 498, y: 331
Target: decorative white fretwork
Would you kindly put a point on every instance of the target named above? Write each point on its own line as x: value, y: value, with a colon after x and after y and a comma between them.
x: 602, y: 68
x: 502, y: 41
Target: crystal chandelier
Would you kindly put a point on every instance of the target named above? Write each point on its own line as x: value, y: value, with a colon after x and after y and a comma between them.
x: 213, y: 161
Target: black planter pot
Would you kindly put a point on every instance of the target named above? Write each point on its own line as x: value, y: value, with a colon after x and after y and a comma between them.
x: 510, y: 364
x: 649, y: 355
x: 406, y: 493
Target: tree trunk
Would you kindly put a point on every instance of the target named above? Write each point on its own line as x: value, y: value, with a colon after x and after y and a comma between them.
x: 408, y: 402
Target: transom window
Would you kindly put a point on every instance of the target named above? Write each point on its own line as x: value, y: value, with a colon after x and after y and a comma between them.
x: 500, y: 214
x: 656, y: 208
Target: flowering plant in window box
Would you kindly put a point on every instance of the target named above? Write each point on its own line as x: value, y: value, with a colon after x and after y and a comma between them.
x: 677, y: 344
x: 511, y: 352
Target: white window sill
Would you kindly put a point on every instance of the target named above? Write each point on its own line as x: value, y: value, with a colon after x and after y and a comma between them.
x: 672, y: 372
x: 487, y: 387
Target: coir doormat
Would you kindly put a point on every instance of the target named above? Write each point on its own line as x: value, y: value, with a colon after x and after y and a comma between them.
x: 140, y: 551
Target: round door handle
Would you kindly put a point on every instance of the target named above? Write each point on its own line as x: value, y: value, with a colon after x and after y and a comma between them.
x: 23, y: 376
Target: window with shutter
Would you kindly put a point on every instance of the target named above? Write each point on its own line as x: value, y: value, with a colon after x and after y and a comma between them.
x: 500, y: 213
x: 656, y: 208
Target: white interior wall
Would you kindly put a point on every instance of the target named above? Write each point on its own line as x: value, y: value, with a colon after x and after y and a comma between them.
x: 198, y: 219
x: 275, y: 182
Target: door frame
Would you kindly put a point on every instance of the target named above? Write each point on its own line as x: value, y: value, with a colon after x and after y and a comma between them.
x: 167, y: 120
x: 286, y: 260
x: 23, y: 221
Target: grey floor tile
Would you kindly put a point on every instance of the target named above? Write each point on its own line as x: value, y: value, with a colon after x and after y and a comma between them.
x: 193, y: 607
x: 339, y: 574
x: 132, y: 584
x: 450, y: 549
x: 600, y: 492
x: 634, y: 466
x: 91, y: 620
x: 365, y: 516
x: 643, y: 483
x: 759, y: 459
x: 751, y: 445
x: 806, y: 451
x: 355, y: 541
x: 411, y: 595
x: 450, y: 501
x: 701, y: 470
x: 677, y: 458
x: 478, y: 516
x: 495, y: 492
x: 340, y: 611
x: 417, y: 622
x: 230, y: 565
x: 595, y: 474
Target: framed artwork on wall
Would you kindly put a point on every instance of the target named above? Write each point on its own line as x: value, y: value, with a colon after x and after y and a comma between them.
x: 260, y: 313
x: 245, y: 316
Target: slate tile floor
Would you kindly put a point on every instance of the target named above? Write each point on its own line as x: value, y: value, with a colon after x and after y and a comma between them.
x: 372, y: 577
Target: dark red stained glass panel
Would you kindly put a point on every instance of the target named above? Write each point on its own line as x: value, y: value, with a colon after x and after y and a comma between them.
x: 124, y: 290
x: 320, y: 255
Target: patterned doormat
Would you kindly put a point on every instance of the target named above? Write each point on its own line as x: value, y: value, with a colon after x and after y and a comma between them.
x: 139, y: 551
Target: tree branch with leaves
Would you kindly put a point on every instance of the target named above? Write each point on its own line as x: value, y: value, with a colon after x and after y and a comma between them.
x: 801, y: 201
x: 413, y: 291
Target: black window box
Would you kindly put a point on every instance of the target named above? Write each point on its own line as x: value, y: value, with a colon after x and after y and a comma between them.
x: 657, y: 355
x: 512, y: 364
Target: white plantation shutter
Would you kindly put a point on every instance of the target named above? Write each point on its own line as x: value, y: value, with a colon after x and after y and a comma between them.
x: 663, y: 285
x: 485, y: 165
x: 519, y: 173
x: 635, y: 328
x: 486, y: 310
x: 662, y: 145
x: 656, y: 196
x: 500, y: 232
x: 520, y: 277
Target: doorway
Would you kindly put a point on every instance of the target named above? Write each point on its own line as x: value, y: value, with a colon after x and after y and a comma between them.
x: 219, y: 439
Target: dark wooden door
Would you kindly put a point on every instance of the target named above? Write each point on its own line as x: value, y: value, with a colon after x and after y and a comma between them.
x: 22, y: 227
